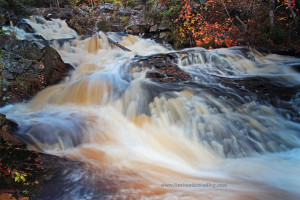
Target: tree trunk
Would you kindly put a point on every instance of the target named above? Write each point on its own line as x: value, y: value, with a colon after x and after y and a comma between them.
x: 92, y: 4
x: 57, y: 2
x: 271, y: 13
x: 293, y: 14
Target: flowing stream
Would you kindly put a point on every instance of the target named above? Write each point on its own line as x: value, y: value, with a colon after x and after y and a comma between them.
x: 140, y: 139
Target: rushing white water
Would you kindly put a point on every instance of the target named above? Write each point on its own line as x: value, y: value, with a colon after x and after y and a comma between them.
x: 201, y: 138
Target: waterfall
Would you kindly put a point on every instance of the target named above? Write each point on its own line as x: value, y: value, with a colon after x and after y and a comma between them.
x: 211, y: 137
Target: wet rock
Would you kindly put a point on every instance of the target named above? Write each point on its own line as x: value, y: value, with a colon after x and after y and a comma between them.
x: 54, y: 67
x: 162, y: 68
x: 26, y: 27
x: 39, y: 168
x: 38, y: 37
x: 25, y: 69
x: 7, y: 128
x: 136, y: 29
x: 262, y: 87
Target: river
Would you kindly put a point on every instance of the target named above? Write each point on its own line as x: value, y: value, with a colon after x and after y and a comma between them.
x: 141, y: 139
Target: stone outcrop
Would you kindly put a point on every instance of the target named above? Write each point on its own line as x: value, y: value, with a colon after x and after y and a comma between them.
x: 25, y: 69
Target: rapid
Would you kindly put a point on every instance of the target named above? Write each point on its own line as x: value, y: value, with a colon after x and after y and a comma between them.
x: 141, y: 139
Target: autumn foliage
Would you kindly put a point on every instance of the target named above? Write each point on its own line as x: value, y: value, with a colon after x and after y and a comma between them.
x: 224, y: 23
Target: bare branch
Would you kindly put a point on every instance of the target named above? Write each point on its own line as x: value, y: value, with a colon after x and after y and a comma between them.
x: 245, y: 26
x: 226, y: 8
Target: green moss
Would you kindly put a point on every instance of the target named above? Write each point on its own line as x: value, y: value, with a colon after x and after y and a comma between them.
x: 104, y: 25
x: 125, y: 20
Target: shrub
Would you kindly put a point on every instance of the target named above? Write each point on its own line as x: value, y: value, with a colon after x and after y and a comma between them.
x: 104, y: 25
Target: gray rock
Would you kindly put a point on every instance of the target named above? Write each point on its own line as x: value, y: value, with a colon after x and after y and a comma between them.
x: 163, y: 35
x: 139, y: 7
x: 26, y: 69
x: 153, y: 28
x: 25, y: 49
x: 125, y: 11
x: 108, y: 7
x: 7, y: 75
x: 25, y: 26
x: 117, y: 28
x: 136, y: 29
x: 14, y: 63
x: 164, y: 25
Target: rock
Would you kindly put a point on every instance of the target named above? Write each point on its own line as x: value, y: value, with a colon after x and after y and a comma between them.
x: 262, y: 87
x: 7, y: 75
x: 108, y: 7
x: 7, y: 128
x: 138, y: 7
x: 39, y: 37
x: 162, y: 68
x: 81, y: 24
x: 25, y: 69
x: 2, y: 119
x: 40, y: 11
x: 24, y: 49
x: 126, y: 11
x: 153, y: 28
x: 163, y: 35
x: 65, y: 14
x: 54, y: 67
x: 85, y: 8
x: 39, y: 168
x: 117, y: 28
x: 136, y: 29
x: 25, y: 26
x: 164, y: 25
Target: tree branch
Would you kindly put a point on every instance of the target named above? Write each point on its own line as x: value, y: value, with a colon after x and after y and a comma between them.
x: 245, y: 26
x: 226, y: 8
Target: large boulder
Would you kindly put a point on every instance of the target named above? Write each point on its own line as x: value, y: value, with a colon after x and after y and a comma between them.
x: 163, y: 68
x: 25, y: 69
x: 7, y: 128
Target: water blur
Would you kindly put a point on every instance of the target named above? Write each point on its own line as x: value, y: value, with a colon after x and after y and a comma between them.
x: 133, y: 134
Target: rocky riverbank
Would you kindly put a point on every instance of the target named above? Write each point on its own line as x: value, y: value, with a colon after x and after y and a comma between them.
x: 25, y: 69
x: 25, y: 173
